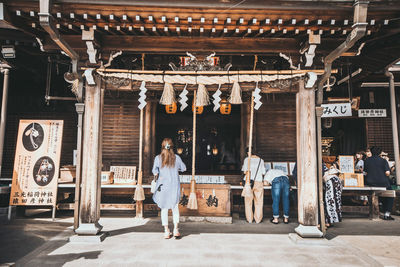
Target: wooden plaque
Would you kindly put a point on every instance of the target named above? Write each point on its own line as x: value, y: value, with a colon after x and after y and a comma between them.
x: 124, y: 174
x: 212, y: 200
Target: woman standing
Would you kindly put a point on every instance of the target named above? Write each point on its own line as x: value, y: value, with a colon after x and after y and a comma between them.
x: 359, y: 158
x: 332, y: 196
x: 166, y: 167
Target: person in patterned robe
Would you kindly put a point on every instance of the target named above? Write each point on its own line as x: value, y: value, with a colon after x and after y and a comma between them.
x: 332, y: 196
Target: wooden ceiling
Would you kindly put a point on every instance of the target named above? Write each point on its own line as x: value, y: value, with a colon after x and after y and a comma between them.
x: 224, y: 26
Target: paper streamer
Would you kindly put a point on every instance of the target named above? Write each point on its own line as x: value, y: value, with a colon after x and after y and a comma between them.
x: 142, y: 94
x: 183, y: 98
x: 257, y: 97
x: 217, y: 98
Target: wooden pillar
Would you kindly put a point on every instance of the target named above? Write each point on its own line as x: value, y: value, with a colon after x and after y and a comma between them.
x: 307, y: 163
x: 395, y: 133
x: 91, y: 161
x: 153, y: 130
x: 147, y: 161
x: 374, y: 207
x: 80, y: 108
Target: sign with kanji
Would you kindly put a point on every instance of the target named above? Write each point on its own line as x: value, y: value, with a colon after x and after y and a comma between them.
x: 371, y: 113
x: 346, y: 164
x: 336, y: 110
x: 37, y: 163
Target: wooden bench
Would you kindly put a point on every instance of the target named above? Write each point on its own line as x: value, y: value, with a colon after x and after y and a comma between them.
x: 371, y: 192
x: 122, y: 190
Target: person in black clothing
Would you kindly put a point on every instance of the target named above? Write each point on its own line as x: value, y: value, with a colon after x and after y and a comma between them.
x: 378, y: 170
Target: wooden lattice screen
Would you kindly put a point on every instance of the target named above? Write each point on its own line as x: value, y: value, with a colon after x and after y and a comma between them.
x: 275, y: 128
x: 120, y: 129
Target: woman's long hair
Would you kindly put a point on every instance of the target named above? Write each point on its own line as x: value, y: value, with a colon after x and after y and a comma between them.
x: 167, y: 153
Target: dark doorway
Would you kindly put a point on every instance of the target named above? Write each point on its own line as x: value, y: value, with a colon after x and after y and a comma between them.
x: 347, y: 136
x: 218, y: 138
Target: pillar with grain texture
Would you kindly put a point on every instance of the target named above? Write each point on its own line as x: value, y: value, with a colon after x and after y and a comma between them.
x: 307, y: 163
x: 91, y: 161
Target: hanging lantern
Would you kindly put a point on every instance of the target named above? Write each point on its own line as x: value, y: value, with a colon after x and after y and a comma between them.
x: 171, y: 109
x: 199, y: 109
x: 225, y: 107
x: 179, y: 150
x: 215, y: 150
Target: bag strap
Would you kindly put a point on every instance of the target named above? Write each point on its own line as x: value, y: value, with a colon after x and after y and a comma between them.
x: 257, y: 170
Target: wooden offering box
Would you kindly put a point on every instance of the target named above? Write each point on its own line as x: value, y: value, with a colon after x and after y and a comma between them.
x: 212, y: 200
x: 67, y: 174
x: 352, y: 179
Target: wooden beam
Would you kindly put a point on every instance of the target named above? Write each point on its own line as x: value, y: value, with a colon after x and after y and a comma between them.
x: 176, y: 44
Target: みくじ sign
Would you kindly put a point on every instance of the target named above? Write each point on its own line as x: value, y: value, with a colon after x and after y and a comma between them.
x: 336, y: 110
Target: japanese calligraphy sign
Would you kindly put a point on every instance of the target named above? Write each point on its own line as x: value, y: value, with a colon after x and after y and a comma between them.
x: 336, y: 110
x: 346, y: 164
x: 212, y: 200
x: 124, y: 174
x: 371, y: 113
x: 37, y: 163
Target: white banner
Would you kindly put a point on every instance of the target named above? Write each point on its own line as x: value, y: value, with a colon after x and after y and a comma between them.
x: 37, y: 163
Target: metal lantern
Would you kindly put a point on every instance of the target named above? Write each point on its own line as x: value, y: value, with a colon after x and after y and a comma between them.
x: 225, y: 107
x: 171, y: 109
x: 199, y: 109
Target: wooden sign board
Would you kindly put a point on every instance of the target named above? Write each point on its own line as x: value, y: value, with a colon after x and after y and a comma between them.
x: 346, y: 164
x: 283, y: 166
x: 107, y: 177
x: 212, y: 200
x: 124, y: 174
x: 353, y: 179
x: 37, y: 163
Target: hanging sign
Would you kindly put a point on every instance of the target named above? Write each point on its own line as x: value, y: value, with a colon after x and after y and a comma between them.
x: 37, y: 163
x: 372, y: 113
x: 336, y: 110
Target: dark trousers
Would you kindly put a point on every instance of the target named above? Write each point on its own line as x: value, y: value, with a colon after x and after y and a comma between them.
x: 387, y: 202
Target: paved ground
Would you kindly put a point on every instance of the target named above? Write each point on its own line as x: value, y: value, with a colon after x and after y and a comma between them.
x: 37, y: 241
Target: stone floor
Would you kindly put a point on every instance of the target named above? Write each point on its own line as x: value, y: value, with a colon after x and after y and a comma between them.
x: 37, y: 241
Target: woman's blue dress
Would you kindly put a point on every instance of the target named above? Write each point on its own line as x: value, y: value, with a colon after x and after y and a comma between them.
x: 168, y: 189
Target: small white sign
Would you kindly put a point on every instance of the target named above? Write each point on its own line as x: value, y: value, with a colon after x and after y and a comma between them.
x: 346, y: 164
x: 336, y: 110
x: 372, y: 113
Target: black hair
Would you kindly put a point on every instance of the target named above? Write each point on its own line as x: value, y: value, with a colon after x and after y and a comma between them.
x: 253, y: 151
x: 376, y: 151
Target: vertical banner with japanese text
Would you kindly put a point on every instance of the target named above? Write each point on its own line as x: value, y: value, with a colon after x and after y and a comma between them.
x: 37, y: 163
